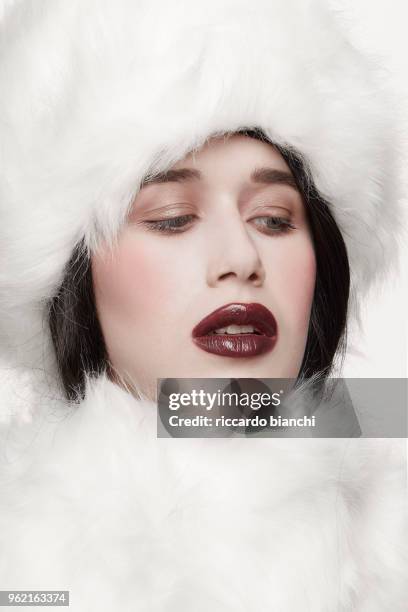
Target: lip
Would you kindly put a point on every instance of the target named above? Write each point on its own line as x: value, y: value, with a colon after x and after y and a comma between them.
x: 240, y: 345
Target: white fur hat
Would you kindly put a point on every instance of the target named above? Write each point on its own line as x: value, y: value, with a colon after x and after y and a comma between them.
x: 95, y: 93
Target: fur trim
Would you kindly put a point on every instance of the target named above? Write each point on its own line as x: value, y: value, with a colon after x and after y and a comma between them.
x: 93, y: 502
x: 106, y: 91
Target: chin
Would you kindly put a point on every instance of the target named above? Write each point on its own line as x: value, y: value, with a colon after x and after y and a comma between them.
x: 244, y: 368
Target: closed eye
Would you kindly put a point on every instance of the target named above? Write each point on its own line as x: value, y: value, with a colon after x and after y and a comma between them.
x: 173, y: 225
x: 273, y: 225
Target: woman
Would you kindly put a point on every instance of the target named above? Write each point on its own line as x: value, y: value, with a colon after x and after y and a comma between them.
x: 201, y: 198
x: 112, y: 100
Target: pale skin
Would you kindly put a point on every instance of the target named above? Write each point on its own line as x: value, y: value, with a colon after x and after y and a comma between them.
x: 241, y: 236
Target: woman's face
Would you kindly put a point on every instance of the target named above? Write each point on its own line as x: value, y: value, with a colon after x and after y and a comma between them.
x: 225, y: 226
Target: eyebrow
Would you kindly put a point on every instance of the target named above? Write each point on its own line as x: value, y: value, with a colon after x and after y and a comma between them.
x: 265, y: 176
x: 172, y: 176
x: 271, y: 176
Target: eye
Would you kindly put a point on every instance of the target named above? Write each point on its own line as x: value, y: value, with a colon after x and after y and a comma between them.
x: 174, y: 225
x: 273, y: 225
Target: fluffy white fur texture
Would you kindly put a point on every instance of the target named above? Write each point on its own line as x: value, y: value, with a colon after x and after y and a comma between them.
x: 94, y: 502
x: 95, y: 94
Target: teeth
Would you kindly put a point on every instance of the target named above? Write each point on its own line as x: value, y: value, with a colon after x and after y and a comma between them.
x: 235, y: 329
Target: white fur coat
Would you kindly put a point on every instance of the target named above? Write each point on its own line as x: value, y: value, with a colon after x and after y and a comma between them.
x: 92, y: 501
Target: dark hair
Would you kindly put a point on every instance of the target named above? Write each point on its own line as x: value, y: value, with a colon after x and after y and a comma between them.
x: 75, y: 330
x: 77, y: 336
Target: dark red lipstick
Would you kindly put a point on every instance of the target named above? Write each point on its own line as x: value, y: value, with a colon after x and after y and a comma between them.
x: 246, y: 344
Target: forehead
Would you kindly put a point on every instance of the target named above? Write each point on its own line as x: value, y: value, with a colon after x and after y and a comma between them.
x: 233, y: 154
x: 231, y: 161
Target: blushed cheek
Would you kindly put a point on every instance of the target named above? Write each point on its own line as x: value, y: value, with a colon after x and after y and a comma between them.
x: 297, y: 272
x: 132, y: 283
x: 303, y: 287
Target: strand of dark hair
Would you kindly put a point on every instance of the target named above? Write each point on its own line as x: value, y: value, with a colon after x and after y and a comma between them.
x: 75, y: 329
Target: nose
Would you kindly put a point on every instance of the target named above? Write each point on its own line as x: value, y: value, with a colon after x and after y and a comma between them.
x: 234, y: 255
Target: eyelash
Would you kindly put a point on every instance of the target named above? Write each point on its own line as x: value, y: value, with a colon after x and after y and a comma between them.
x: 169, y: 225
x: 176, y: 225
